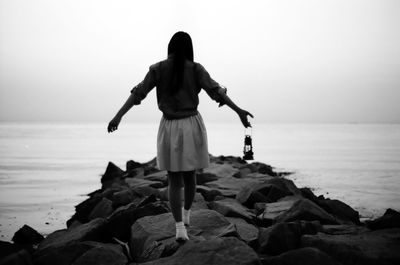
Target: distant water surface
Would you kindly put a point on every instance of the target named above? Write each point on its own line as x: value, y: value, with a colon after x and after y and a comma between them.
x: 46, y: 169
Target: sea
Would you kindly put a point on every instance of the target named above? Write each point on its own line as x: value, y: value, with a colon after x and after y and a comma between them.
x: 48, y: 168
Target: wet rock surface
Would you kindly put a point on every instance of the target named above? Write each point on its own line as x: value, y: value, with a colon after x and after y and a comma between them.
x: 243, y: 213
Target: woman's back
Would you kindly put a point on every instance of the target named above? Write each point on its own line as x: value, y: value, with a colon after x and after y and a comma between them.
x: 178, y: 100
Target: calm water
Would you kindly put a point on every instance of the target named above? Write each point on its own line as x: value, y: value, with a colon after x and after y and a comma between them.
x: 46, y: 169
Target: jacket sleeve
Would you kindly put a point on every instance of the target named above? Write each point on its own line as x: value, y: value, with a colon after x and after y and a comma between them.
x: 141, y: 90
x: 213, y: 89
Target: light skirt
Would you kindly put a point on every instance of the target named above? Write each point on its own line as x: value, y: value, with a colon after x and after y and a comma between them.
x: 182, y: 144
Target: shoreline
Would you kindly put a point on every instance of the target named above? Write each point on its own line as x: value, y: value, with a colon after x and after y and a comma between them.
x: 49, y: 218
x: 237, y: 204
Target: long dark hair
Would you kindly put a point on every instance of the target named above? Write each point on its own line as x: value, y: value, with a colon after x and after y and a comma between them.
x: 181, y: 47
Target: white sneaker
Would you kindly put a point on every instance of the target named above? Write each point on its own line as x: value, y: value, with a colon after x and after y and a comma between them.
x: 186, y: 216
x: 181, y: 233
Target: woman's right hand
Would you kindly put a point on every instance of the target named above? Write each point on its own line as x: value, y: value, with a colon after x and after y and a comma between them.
x: 113, y: 125
x: 243, y: 117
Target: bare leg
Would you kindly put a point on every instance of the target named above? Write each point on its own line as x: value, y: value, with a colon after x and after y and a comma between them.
x: 175, y: 194
x: 189, y: 179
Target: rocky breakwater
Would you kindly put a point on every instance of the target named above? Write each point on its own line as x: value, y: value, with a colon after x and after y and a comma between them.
x: 243, y: 213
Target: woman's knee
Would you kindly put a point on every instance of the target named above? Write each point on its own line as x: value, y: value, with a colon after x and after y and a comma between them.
x: 175, y: 179
x: 189, y: 177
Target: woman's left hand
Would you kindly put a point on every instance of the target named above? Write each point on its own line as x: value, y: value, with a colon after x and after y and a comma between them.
x: 243, y: 117
x: 113, y: 125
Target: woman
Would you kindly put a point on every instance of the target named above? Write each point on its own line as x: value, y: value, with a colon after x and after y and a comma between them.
x: 182, y: 144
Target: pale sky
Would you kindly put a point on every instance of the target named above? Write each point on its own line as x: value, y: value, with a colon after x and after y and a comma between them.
x: 284, y: 61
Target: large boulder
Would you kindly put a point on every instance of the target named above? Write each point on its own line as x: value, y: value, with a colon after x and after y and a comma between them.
x: 343, y: 212
x: 141, y: 182
x: 208, y: 193
x: 265, y: 192
x: 84, y: 209
x: 82, y: 253
x: 390, y: 219
x: 119, y: 223
x: 198, y: 202
x: 215, y: 251
x: 282, y: 237
x: 273, y: 210
x: 232, y: 208
x: 160, y: 176
x: 344, y: 229
x: 373, y: 247
x: 304, y: 209
x: 26, y: 235
x: 93, y: 230
x: 113, y: 174
x: 293, y: 208
x: 21, y: 257
x: 102, y: 209
x: 8, y: 248
x: 102, y: 254
x: 247, y: 232
x: 230, y: 186
x: 153, y: 236
x: 214, y: 172
x: 303, y: 256
x: 131, y: 165
x: 234, y: 161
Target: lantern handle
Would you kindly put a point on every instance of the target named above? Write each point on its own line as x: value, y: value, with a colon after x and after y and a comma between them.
x: 251, y: 131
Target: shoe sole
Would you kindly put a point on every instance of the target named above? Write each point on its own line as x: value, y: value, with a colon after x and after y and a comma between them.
x: 181, y: 240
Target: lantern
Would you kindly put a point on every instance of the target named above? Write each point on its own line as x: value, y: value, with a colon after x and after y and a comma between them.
x: 248, y: 148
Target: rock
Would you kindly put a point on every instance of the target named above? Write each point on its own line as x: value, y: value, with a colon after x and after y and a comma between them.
x: 230, y: 186
x: 243, y: 172
x: 273, y: 210
x: 247, y: 232
x: 265, y: 192
x: 304, y: 256
x: 82, y: 253
x: 304, y: 209
x: 390, y: 219
x: 215, y: 172
x: 261, y: 168
x: 139, y: 182
x: 26, y: 235
x: 93, y: 230
x: 121, y: 220
x: 232, y: 208
x: 102, y: 209
x: 198, y: 202
x: 21, y: 257
x: 7, y: 248
x: 123, y: 197
x: 282, y: 237
x: 131, y: 165
x: 373, y: 247
x: 340, y: 210
x: 345, y: 229
x: 102, y: 254
x: 208, y: 193
x: 148, y: 232
x: 308, y: 194
x: 160, y: 176
x: 234, y: 161
x: 215, y: 251
x: 145, y: 191
x: 113, y: 174
x: 163, y: 193
x: 83, y: 209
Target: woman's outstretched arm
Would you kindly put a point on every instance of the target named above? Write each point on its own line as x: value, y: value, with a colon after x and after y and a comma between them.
x: 113, y: 125
x: 241, y: 112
